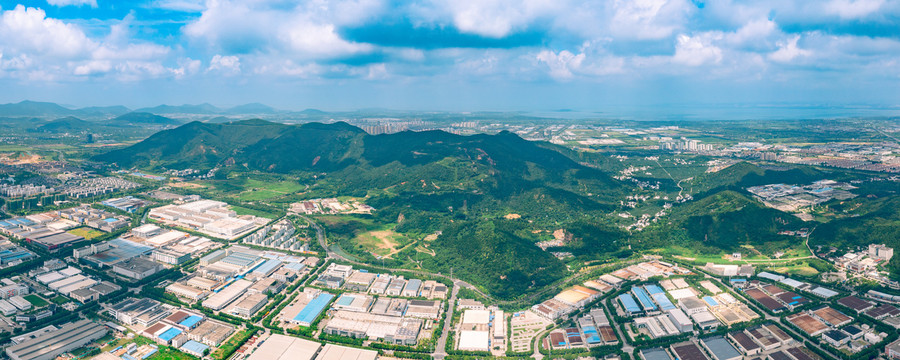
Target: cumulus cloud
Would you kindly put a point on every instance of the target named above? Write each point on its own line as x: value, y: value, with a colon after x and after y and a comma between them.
x: 788, y: 51
x: 92, y: 3
x: 648, y: 19
x: 303, y: 30
x: 30, y: 30
x: 853, y: 9
x: 697, y: 50
x: 225, y: 64
x: 46, y: 48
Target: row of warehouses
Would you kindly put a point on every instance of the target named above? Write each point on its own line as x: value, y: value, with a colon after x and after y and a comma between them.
x: 281, y: 347
x: 168, y: 325
x: 343, y: 276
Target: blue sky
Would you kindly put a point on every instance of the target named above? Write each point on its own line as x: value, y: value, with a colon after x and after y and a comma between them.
x: 454, y: 55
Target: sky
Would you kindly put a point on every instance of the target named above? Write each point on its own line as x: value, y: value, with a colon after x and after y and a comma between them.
x: 457, y: 55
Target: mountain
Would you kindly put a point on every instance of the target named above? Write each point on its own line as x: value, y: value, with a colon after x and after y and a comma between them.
x: 183, y: 109
x: 253, y: 108
x: 420, y: 182
x: 142, y: 118
x: 34, y: 108
x: 102, y: 111
x: 66, y: 124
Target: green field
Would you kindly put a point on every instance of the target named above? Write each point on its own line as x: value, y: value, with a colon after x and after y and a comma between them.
x: 168, y: 353
x: 258, y: 194
x: 59, y: 300
x: 36, y: 301
x: 86, y: 232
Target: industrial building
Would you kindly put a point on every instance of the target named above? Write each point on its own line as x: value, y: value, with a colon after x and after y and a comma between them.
x: 136, y: 268
x: 281, y: 347
x: 392, y: 329
x: 57, y: 342
x: 720, y: 349
x: 311, y: 311
x: 337, y: 352
x: 219, y: 300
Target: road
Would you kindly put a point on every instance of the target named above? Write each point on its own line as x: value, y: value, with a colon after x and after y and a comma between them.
x: 439, y: 352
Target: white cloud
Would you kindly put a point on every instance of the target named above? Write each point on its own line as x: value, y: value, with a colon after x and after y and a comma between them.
x: 497, y: 18
x: 179, y: 5
x: 591, y: 60
x: 306, y: 30
x: 562, y: 63
x: 853, y: 9
x: 697, y: 50
x: 225, y: 64
x: 92, y: 3
x: 30, y: 30
x: 93, y: 67
x: 788, y: 51
x: 648, y: 19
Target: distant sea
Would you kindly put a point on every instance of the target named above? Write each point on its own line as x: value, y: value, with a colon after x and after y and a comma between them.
x: 723, y: 112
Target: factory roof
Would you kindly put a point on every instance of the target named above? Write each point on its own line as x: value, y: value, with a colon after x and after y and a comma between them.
x: 194, y: 347
x: 720, y: 348
x: 281, y: 347
x: 312, y: 310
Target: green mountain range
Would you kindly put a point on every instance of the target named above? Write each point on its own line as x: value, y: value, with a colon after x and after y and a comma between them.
x: 433, y: 180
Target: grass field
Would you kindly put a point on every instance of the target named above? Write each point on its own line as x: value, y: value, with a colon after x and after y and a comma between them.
x: 86, y: 232
x: 168, y: 353
x: 59, y: 300
x: 36, y: 301
x: 381, y: 242
x: 258, y: 194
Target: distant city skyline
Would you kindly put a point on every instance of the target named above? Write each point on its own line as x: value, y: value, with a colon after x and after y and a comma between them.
x: 636, y: 59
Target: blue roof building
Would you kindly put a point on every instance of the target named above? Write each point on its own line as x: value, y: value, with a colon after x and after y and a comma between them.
x: 194, y: 348
x: 663, y: 301
x: 311, y: 311
x: 628, y: 304
x: 267, y: 268
x: 643, y: 298
x: 709, y: 300
x: 191, y: 321
x: 170, y: 334
x: 591, y: 335
x: 653, y: 289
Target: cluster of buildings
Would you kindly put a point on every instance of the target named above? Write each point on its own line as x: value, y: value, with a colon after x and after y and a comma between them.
x: 480, y: 328
x: 281, y: 347
x: 213, y: 218
x: 12, y: 254
x: 865, y: 263
x: 46, y: 231
x: 836, y: 328
x: 57, y: 341
x: 592, y: 329
x: 280, y: 235
x: 171, y: 326
x: 685, y: 144
x: 128, y: 204
x: 237, y: 280
x: 392, y: 320
x: 360, y: 315
x: 766, y: 341
x: 71, y: 281
x: 793, y: 198
x: 26, y: 190
x: 331, y: 206
x: 96, y: 218
x: 579, y: 296
x: 91, y: 187
x: 338, y: 276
